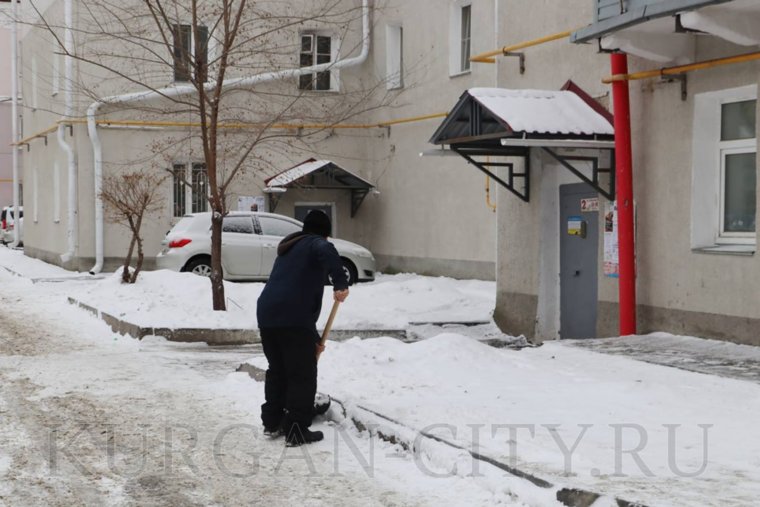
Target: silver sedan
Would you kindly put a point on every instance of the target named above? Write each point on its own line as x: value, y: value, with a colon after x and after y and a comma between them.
x: 249, y: 247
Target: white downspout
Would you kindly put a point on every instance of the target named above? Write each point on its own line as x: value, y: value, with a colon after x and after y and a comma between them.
x: 68, y: 41
x: 173, y: 91
x: 14, y: 122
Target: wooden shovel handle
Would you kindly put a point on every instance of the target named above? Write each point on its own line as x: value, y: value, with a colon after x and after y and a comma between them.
x: 329, y: 324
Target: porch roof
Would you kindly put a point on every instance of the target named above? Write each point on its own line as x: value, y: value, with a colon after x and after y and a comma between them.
x: 315, y: 174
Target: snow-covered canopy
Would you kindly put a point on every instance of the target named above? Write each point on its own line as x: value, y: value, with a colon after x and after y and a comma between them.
x: 493, y: 113
x: 318, y: 169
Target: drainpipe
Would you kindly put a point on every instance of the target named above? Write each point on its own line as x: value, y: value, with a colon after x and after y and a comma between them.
x: 68, y: 41
x: 624, y: 191
x: 174, y: 91
x: 14, y: 122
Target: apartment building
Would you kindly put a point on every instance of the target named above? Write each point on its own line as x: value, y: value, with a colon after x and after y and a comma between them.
x: 516, y: 183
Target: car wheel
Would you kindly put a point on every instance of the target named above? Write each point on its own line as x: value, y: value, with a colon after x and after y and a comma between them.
x: 200, y: 266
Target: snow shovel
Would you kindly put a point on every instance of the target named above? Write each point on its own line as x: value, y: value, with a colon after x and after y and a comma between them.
x: 328, y: 326
x: 322, y: 401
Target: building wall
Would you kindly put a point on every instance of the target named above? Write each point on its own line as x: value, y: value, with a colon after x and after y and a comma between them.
x: 6, y: 169
x: 680, y: 289
x: 429, y: 214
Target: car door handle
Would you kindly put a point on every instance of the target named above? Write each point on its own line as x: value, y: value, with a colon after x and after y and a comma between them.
x: 269, y: 245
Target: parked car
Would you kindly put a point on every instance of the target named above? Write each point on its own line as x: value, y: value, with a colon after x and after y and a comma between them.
x: 249, y: 247
x: 8, y: 223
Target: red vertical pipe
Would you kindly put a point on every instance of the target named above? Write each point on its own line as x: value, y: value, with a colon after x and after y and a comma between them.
x: 624, y: 196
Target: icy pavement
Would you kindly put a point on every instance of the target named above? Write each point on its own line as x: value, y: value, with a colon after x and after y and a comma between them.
x: 88, y: 417
x: 685, y: 352
x: 637, y: 431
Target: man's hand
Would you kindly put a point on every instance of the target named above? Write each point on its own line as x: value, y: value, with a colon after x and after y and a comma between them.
x: 340, y: 295
x: 320, y: 349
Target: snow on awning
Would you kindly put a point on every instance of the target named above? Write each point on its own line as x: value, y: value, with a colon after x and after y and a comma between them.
x: 496, y: 113
x: 318, y: 175
x: 488, y: 126
x: 667, y: 31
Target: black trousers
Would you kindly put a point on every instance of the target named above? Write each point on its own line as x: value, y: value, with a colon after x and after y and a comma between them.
x: 291, y: 380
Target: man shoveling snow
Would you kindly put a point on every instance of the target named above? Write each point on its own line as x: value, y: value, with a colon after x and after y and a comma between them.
x: 287, y: 312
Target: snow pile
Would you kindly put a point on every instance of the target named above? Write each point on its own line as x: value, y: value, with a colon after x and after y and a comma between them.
x: 559, y: 398
x: 176, y: 300
x: 17, y: 263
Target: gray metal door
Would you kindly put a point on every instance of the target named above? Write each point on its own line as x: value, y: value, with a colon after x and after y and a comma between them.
x: 579, y: 233
x: 302, y: 210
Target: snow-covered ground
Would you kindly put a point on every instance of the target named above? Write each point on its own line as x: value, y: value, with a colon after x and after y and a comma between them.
x: 114, y: 409
x: 174, y: 300
x: 694, y: 434
x: 93, y: 418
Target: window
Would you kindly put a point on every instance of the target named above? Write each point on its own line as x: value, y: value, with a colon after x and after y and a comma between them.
x: 277, y: 227
x: 55, y: 86
x: 460, y: 36
x: 394, y: 57
x: 315, y: 50
x: 189, y: 184
x: 724, y: 178
x: 186, y: 63
x: 465, y: 40
x: 237, y: 224
x: 738, y: 175
x: 34, y: 83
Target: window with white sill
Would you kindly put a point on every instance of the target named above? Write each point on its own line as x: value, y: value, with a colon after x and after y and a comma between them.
x: 724, y: 178
x: 316, y: 49
x: 460, y: 36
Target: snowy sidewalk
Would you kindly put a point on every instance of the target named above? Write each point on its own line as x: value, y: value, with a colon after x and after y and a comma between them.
x: 613, y: 425
x: 741, y: 362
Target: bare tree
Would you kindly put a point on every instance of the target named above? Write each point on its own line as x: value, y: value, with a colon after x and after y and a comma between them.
x: 128, y: 199
x: 247, y: 84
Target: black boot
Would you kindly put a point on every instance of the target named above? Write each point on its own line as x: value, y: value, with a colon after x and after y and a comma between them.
x: 299, y: 436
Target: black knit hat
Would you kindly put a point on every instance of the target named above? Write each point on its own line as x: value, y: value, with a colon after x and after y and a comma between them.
x: 317, y: 222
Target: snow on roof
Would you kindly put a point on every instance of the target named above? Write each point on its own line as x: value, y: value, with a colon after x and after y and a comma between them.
x: 543, y: 111
x: 297, y: 172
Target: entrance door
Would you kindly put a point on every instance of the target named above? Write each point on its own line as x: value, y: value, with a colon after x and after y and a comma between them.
x: 302, y: 209
x: 579, y: 233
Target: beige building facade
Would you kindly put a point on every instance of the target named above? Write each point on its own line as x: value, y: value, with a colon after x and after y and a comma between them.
x: 697, y: 269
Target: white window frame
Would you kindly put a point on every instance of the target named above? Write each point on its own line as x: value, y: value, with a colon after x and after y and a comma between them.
x: 335, y: 43
x: 708, y: 154
x: 732, y: 237
x: 187, y: 168
x: 456, y: 57
x: 56, y: 81
x: 394, y: 56
x: 34, y: 84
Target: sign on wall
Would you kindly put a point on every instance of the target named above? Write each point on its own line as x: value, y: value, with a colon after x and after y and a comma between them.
x: 611, y: 259
x: 251, y: 203
x: 590, y: 204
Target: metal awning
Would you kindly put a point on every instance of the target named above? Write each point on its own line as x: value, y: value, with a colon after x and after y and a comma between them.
x: 667, y: 31
x: 489, y: 125
x: 318, y: 175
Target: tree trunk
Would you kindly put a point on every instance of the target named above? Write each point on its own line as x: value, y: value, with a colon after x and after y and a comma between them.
x: 217, y: 275
x: 140, y: 258
x: 125, y: 272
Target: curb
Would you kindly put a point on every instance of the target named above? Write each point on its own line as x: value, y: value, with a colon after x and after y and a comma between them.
x: 397, y: 433
x: 186, y: 335
x: 216, y: 336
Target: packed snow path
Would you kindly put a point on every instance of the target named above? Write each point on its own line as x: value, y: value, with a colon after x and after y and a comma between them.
x: 91, y: 418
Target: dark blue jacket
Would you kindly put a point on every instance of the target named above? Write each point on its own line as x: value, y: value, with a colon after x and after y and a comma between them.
x: 293, y: 295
